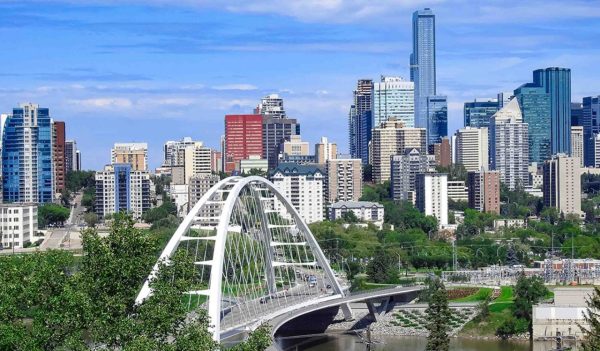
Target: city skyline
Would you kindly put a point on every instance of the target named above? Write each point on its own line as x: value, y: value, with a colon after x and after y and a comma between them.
x: 177, y: 70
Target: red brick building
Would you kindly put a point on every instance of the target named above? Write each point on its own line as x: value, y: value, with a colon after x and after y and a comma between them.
x: 243, y: 138
x: 60, y: 170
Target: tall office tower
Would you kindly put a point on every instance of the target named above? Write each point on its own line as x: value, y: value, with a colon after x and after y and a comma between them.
x: 27, y: 173
x: 173, y: 151
x: 576, y: 114
x: 324, y: 150
x: 437, y: 119
x: 442, y: 152
x: 562, y: 184
x: 484, y: 191
x: 432, y: 196
x: 392, y: 138
x: 136, y: 154
x: 360, y: 121
x: 58, y: 156
x: 596, y: 148
x: 121, y: 188
x: 243, y: 138
x: 303, y: 187
x: 509, y: 146
x: 271, y: 105
x: 71, y: 152
x: 591, y: 127
x: 577, y: 143
x: 557, y: 82
x: 422, y: 62
x: 343, y: 180
x: 404, y: 173
x: 472, y: 148
x: 504, y: 98
x: 275, y: 130
x: 534, y: 102
x: 216, y: 165
x: 477, y: 113
x: 394, y: 97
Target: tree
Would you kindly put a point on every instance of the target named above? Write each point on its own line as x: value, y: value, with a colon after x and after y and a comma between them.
x: 91, y: 219
x: 383, y: 268
x: 349, y: 217
x: 592, y: 318
x: 52, y: 214
x: 528, y: 292
x: 438, y: 315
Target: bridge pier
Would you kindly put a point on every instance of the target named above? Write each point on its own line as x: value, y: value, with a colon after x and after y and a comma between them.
x: 348, y: 314
x: 377, y: 312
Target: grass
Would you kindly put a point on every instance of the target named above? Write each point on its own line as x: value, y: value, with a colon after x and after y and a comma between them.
x: 487, y: 327
x: 480, y: 295
x: 506, y: 294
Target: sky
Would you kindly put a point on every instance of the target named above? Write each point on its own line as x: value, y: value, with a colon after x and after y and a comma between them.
x: 158, y: 70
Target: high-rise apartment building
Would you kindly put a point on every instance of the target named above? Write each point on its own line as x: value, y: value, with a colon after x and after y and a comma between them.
x: 58, y: 156
x: 343, y: 181
x: 477, y: 113
x: 392, y: 138
x: 200, y: 184
x: 393, y: 97
x: 302, y: 185
x: 216, y: 164
x: 577, y: 143
x: 484, y: 191
x: 596, y: 151
x: 422, y: 63
x: 458, y: 191
x: 591, y: 127
x: 562, y: 184
x: 272, y: 106
x: 136, y: 154
x: 472, y: 148
x: 324, y: 150
x: 121, y: 188
x: 243, y: 138
x: 72, y: 156
x: 432, y: 196
x: 294, y: 146
x: 404, y: 173
x: 509, y: 146
x: 442, y: 152
x: 360, y: 120
x: 534, y: 102
x: 173, y: 151
x: 27, y: 164
x: 437, y: 118
x: 18, y: 224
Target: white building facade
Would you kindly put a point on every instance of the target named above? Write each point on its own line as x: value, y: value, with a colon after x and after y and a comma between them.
x: 363, y: 210
x: 18, y: 223
x: 393, y: 97
x: 302, y: 185
x: 432, y: 196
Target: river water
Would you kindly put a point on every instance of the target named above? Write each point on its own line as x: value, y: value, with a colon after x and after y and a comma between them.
x: 408, y: 343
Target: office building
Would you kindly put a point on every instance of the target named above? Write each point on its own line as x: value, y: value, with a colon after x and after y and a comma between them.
x: 557, y: 82
x: 562, y: 184
x: 484, y: 191
x: 577, y: 143
x: 504, y: 98
x: 121, y: 188
x: 343, y: 181
x: 275, y: 130
x: 432, y: 196
x: 422, y: 63
x: 216, y: 164
x: 72, y: 156
x: 509, y: 146
x: 294, y: 146
x: 199, y: 185
x: 596, y: 151
x: 136, y: 154
x: 472, y: 148
x: 360, y: 120
x: 18, y: 224
x: 442, y: 152
x: 27, y: 163
x: 243, y: 138
x: 324, y: 151
x: 457, y: 191
x: 591, y: 127
x: 364, y: 211
x: 392, y: 138
x: 253, y: 163
x: 173, y: 151
x: 477, y: 113
x: 188, y: 157
x: 303, y: 187
x: 299, y: 159
x: 393, y: 97
x: 272, y: 106
x: 576, y: 114
x: 534, y: 102
x: 536, y: 177
x: 404, y: 170
x: 437, y: 119
x: 58, y: 156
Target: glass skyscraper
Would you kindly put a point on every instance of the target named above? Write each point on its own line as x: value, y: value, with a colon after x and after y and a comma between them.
x: 535, y: 108
x: 437, y: 119
x: 393, y: 97
x: 27, y: 174
x: 477, y: 113
x: 360, y: 120
x: 591, y: 126
x: 422, y: 62
x: 557, y: 82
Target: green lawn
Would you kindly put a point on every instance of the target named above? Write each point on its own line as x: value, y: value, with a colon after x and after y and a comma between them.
x: 480, y: 295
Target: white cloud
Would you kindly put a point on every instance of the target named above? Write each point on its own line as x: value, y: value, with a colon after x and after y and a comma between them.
x: 109, y: 103
x: 240, y: 86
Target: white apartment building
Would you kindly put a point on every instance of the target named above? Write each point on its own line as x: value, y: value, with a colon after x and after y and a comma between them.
x: 472, y: 148
x: 18, y: 224
x: 119, y: 188
x: 393, y: 97
x: 432, y: 196
x: 363, y: 210
x: 457, y: 190
x: 343, y: 181
x: 302, y: 185
x: 191, y: 156
x: 577, y: 143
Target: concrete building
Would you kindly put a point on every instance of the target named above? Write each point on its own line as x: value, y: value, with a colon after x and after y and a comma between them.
x: 393, y: 138
x: 360, y: 120
x: 274, y: 131
x: 72, y: 156
x: 472, y: 148
x: 136, y: 154
x: 343, y: 180
x: 120, y: 188
x: 58, y: 156
x: 484, y: 191
x: 536, y: 176
x: 216, y: 158
x: 324, y: 150
x: 432, y: 196
x: 187, y: 156
x: 577, y: 143
x: 393, y: 97
x: 404, y: 170
x: 442, y: 152
x: 179, y: 193
x: 596, y: 150
x: 294, y: 146
x: 199, y: 185
x: 363, y: 210
x: 457, y: 191
x: 302, y: 185
x: 254, y: 162
x: 243, y: 138
x: 564, y: 317
x: 173, y: 151
x: 562, y: 184
x: 18, y: 224
x: 271, y: 105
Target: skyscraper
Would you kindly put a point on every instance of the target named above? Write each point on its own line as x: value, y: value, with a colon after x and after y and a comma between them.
x: 432, y: 196
x: 360, y: 120
x: 472, y: 148
x: 58, y: 156
x: 557, y: 82
x: 271, y: 105
x: 243, y: 138
x: 120, y: 188
x: 276, y: 130
x: 534, y: 102
x: 27, y: 173
x: 477, y: 113
x: 484, y: 191
x: 562, y: 184
x: 343, y: 180
x: 393, y: 97
x: 404, y: 170
x: 72, y: 162
x: 577, y: 143
x: 591, y: 127
x: 576, y: 113
x: 422, y: 62
x: 324, y: 150
x: 437, y: 119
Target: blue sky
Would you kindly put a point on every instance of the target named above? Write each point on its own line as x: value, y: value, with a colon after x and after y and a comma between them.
x: 157, y: 70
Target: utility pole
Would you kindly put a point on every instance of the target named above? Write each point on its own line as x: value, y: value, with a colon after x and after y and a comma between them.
x: 454, y: 257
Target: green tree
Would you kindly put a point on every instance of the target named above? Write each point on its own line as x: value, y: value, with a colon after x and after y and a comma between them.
x: 349, y: 217
x: 52, y: 214
x: 383, y: 268
x: 528, y: 292
x: 592, y: 319
x: 91, y: 219
x: 438, y: 315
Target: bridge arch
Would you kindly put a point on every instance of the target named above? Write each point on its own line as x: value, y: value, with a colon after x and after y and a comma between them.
x: 254, y: 257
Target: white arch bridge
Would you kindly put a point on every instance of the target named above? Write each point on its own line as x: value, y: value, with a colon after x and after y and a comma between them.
x: 254, y: 259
